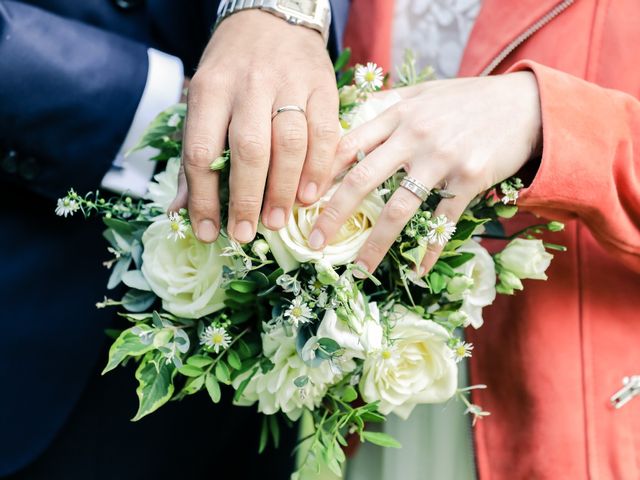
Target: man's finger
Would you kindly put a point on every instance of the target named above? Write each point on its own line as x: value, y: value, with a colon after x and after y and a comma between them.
x: 204, y: 140
x: 250, y: 142
x: 324, y: 134
x: 288, y: 150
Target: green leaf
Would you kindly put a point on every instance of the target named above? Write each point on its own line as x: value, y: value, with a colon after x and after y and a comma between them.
x: 259, y: 278
x: 243, y: 286
x: 414, y: 255
x: 199, y: 361
x: 222, y: 372
x: 138, y: 300
x: 264, y: 435
x: 213, y: 388
x: 275, y: 430
x: 506, y: 211
x: 243, y: 385
x: 301, y: 381
x: 240, y: 297
x: 437, y: 282
x: 466, y: 227
x: 349, y: 394
x: 458, y: 260
x: 346, y: 78
x: 121, y: 227
x: 234, y: 359
x: 373, y: 417
x: 444, y: 268
x: 193, y: 385
x: 135, y: 279
x: 160, y: 126
x: 382, y: 439
x: 128, y: 344
x: 342, y: 60
x: 155, y: 386
x: 190, y: 371
x: 118, y: 272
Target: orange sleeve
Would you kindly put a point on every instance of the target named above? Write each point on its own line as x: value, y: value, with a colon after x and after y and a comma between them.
x: 590, y: 165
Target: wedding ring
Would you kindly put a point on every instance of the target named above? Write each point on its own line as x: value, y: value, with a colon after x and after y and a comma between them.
x: 442, y: 192
x: 416, y: 187
x: 287, y: 108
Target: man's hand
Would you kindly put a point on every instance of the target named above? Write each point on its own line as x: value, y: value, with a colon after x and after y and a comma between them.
x: 254, y: 64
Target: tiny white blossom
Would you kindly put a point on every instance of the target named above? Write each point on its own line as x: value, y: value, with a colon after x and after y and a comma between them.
x: 440, y: 230
x: 510, y: 196
x: 66, y: 206
x: 215, y: 338
x: 298, y: 312
x: 174, y: 120
x: 461, y: 350
x: 177, y: 227
x: 369, y: 76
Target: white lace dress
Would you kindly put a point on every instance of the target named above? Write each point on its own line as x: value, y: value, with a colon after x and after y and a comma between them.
x: 436, y: 439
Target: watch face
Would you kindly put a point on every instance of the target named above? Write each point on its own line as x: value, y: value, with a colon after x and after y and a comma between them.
x: 304, y: 7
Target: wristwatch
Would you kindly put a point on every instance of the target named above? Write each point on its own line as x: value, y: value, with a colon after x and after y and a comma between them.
x: 315, y: 14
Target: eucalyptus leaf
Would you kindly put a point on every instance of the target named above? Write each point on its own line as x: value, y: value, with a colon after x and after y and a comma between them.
x: 155, y: 386
x: 118, y: 272
x: 135, y: 279
x: 138, y: 300
x: 381, y: 438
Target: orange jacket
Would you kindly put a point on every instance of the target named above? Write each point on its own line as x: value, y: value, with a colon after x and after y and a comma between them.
x: 553, y: 355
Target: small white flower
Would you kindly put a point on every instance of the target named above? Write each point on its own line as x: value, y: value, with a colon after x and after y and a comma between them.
x: 66, y: 206
x: 510, y: 197
x: 215, y: 338
x: 460, y: 350
x: 298, y: 312
x: 174, y: 120
x: 440, y: 230
x: 177, y: 227
x: 369, y: 76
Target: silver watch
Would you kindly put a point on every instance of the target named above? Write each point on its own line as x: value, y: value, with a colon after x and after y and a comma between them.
x: 315, y: 14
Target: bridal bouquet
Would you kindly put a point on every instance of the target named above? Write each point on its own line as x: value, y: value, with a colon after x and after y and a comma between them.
x: 293, y: 330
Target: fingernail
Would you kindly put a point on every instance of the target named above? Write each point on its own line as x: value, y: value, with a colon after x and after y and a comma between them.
x: 276, y: 218
x: 358, y: 273
x: 207, y: 231
x: 243, y: 232
x: 316, y: 240
x: 309, y: 193
x: 421, y: 271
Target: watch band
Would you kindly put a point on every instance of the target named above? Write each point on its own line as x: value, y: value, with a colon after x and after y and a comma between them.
x: 321, y: 21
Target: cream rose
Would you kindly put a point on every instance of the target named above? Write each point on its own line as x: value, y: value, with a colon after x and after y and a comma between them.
x: 276, y: 390
x: 416, y: 367
x: 359, y: 334
x: 185, y: 273
x: 525, y: 259
x: 164, y: 188
x: 481, y: 271
x: 290, y: 245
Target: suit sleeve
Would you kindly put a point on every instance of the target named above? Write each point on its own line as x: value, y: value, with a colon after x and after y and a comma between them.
x: 68, y: 93
x: 590, y: 166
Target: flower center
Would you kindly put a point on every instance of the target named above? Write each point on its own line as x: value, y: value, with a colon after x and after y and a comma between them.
x: 386, y: 354
x: 460, y: 351
x: 440, y: 229
x: 296, y: 311
x: 217, y: 338
x: 175, y: 226
x: 369, y: 76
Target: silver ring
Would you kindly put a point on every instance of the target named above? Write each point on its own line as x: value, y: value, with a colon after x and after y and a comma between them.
x: 416, y: 187
x: 287, y: 108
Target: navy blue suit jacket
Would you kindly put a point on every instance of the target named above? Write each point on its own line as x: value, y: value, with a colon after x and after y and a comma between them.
x: 71, y: 75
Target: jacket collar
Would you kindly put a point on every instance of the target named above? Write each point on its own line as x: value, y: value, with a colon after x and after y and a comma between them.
x: 498, y: 24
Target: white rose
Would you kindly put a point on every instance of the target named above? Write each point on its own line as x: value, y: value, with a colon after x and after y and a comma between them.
x: 416, y: 367
x: 361, y: 334
x: 276, y: 391
x: 481, y: 270
x: 525, y: 258
x: 371, y: 109
x: 185, y: 273
x: 165, y: 187
x: 290, y: 245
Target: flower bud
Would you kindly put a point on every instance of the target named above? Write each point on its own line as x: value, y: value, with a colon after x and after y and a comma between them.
x: 510, y: 281
x: 260, y: 248
x: 555, y: 226
x: 459, y: 284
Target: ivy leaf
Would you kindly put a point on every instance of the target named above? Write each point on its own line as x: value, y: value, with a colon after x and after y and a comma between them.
x: 155, y: 386
x: 382, y: 439
x: 213, y: 388
x: 128, y: 344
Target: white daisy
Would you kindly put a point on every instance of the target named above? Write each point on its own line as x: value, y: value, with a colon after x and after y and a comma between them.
x: 369, y: 77
x: 298, y: 312
x: 177, y: 228
x: 66, y: 206
x: 216, y: 338
x: 440, y: 230
x: 461, y: 350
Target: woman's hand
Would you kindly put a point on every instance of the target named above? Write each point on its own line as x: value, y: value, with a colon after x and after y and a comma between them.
x: 471, y: 133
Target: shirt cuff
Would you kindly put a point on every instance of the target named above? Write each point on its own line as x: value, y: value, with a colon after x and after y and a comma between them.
x: 131, y: 173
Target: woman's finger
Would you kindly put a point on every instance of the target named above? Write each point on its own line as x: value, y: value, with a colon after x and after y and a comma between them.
x: 367, y: 175
x: 182, y: 195
x: 451, y: 210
